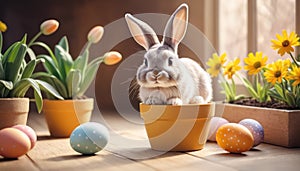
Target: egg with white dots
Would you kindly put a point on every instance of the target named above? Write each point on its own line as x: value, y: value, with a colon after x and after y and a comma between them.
x: 89, y: 138
x: 234, y: 138
x: 256, y: 130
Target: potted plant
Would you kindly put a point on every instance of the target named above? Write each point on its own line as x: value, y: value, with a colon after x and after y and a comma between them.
x: 274, y: 90
x: 16, y: 79
x: 71, y: 78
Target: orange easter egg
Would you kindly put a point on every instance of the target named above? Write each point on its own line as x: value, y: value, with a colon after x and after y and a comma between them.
x: 234, y: 138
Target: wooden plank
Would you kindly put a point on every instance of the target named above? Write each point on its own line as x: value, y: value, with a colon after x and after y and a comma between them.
x: 56, y: 154
x: 262, y: 157
x: 17, y: 164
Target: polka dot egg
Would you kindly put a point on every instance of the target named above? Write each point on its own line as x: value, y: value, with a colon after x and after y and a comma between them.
x: 234, y: 138
x: 89, y: 138
x: 215, y: 124
x: 255, y: 128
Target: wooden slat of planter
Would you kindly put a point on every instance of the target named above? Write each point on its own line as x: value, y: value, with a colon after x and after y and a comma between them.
x: 281, y: 126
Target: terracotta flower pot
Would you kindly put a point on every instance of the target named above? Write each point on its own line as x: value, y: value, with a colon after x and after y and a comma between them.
x: 63, y: 116
x: 177, y: 128
x: 13, y: 111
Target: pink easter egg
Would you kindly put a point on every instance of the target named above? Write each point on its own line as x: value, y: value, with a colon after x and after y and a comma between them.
x: 29, y: 132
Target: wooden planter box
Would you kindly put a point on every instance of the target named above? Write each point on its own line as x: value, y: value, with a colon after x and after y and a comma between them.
x: 282, y: 127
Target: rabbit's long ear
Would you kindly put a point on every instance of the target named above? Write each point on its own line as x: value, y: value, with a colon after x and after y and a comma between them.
x: 142, y: 33
x: 176, y: 27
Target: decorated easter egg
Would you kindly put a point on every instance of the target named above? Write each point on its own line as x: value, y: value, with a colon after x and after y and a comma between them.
x: 13, y: 143
x: 234, y: 138
x: 255, y: 128
x: 215, y: 124
x: 29, y: 132
x: 89, y: 138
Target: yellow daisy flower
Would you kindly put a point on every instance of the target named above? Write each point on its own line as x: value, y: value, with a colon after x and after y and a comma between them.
x: 232, y: 67
x: 285, y: 43
x: 3, y: 27
x: 276, y: 71
x: 215, y: 63
x: 295, y: 75
x: 254, y: 63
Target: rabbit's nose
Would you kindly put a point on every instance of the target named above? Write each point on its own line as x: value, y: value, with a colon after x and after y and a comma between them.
x: 155, y: 72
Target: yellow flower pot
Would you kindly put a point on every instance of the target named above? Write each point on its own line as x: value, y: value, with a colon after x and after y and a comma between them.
x: 13, y: 111
x: 177, y: 128
x: 63, y: 116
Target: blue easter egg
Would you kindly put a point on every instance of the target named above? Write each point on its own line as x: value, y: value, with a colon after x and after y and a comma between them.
x: 89, y: 138
x: 255, y: 128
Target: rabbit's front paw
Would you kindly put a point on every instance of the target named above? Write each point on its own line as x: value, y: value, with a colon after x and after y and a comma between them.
x: 174, y: 101
x: 197, y: 100
x: 154, y: 101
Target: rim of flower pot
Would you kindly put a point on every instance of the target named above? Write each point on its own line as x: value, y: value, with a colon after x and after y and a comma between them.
x: 22, y: 105
x: 172, y: 112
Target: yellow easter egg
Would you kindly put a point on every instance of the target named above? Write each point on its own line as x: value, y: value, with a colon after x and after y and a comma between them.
x: 234, y: 138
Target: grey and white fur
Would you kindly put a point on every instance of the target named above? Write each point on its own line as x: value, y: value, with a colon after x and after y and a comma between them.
x: 164, y: 78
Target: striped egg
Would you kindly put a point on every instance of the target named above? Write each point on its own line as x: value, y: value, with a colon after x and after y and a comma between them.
x: 234, y: 138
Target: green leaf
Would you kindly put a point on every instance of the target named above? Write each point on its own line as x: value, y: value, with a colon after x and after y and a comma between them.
x: 31, y: 54
x: 65, y: 60
x: 13, y: 65
x: 73, y: 82
x: 50, y: 66
x: 22, y: 86
x: 7, y: 84
x: 88, y: 78
x: 38, y: 101
x: 81, y: 62
x: 2, y: 72
x: 52, y: 80
x: 29, y: 69
x: 1, y: 42
x: 47, y: 48
x: 8, y: 52
x: 64, y: 43
x: 49, y: 88
x: 24, y: 39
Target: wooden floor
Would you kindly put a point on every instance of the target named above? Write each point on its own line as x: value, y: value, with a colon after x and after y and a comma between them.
x: 129, y: 150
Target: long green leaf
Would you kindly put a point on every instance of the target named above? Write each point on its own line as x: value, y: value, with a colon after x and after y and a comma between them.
x: 81, y: 62
x: 64, y: 43
x: 49, y: 88
x: 38, y: 101
x: 50, y: 66
x: 8, y: 52
x: 88, y: 78
x: 13, y: 65
x: 73, y: 82
x: 31, y: 54
x: 65, y: 60
x: 1, y: 42
x: 29, y: 69
x: 45, y: 46
x: 2, y: 72
x: 52, y: 80
x: 7, y: 84
x: 22, y: 87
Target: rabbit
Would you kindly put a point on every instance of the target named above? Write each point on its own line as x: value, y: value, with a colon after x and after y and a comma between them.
x: 164, y: 78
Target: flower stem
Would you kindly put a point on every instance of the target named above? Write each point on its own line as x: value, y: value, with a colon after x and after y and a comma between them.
x: 296, y: 62
x: 34, y: 38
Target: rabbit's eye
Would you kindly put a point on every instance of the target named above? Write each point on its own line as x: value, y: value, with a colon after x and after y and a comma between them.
x: 170, y: 61
x: 146, y: 62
